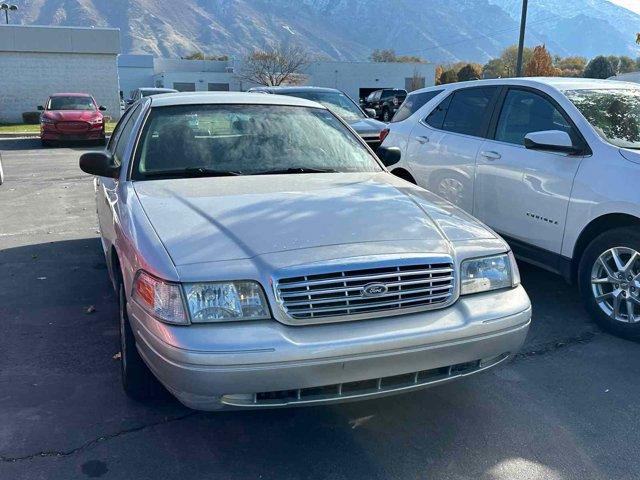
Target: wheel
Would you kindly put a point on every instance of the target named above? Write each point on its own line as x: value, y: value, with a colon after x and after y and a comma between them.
x: 609, y: 281
x: 386, y: 115
x: 46, y: 143
x: 137, y: 380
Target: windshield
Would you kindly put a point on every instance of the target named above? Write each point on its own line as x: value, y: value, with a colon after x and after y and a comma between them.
x: 614, y: 113
x: 205, y: 140
x: 71, y: 103
x: 338, y: 102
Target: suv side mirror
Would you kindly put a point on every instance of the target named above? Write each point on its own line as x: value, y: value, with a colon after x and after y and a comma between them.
x: 389, y: 155
x: 550, y: 140
x: 102, y: 108
x: 371, y: 113
x: 40, y: 107
x: 101, y: 164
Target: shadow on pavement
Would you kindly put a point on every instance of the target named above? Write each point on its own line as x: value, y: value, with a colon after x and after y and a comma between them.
x: 61, y: 392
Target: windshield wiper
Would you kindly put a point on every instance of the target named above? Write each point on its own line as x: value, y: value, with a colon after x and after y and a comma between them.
x: 192, y: 172
x: 296, y: 170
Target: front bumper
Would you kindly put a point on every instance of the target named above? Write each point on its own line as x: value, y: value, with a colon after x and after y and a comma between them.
x: 266, y: 363
x: 53, y: 134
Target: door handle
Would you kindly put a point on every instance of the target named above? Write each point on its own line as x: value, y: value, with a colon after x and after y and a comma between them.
x: 491, y: 155
x: 422, y: 139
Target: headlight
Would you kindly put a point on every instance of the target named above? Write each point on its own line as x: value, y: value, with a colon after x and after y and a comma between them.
x: 488, y: 273
x: 225, y: 301
x: 96, y: 121
x: 161, y: 299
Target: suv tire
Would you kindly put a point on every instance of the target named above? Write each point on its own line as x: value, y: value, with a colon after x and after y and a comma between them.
x: 137, y: 380
x: 624, y: 287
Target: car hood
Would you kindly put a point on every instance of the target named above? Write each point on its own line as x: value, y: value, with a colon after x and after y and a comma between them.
x: 366, y: 126
x: 232, y: 218
x: 71, y: 115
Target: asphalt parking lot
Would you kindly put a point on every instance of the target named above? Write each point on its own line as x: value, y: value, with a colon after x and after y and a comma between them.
x: 567, y: 407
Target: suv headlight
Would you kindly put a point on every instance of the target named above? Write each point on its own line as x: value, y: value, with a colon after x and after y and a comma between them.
x: 225, y: 301
x: 488, y: 273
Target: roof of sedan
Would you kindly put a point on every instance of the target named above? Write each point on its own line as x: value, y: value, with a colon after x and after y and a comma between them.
x: 195, y: 98
x: 76, y: 94
x: 305, y: 88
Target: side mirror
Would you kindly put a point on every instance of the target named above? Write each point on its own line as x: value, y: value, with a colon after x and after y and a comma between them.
x: 100, y: 164
x: 102, y: 108
x: 40, y: 107
x: 370, y: 112
x: 389, y: 155
x: 551, y: 141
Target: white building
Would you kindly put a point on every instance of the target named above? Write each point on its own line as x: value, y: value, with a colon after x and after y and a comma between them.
x: 357, y: 79
x: 36, y: 61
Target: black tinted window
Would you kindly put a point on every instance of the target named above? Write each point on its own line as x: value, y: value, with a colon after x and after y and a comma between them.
x: 525, y: 112
x: 468, y: 109
x: 413, y: 103
x: 436, y: 117
x: 123, y: 138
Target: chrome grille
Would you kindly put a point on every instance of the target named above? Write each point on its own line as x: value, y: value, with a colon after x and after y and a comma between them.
x: 366, y: 291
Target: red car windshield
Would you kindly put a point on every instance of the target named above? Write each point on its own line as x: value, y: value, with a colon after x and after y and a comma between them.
x: 71, y: 102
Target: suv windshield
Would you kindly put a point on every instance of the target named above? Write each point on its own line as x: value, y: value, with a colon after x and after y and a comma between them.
x: 341, y: 105
x: 210, y: 140
x: 71, y: 103
x: 614, y: 113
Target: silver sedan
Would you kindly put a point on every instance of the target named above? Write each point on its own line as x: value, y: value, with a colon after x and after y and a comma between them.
x: 264, y: 256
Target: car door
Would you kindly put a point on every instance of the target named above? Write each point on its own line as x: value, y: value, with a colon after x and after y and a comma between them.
x: 106, y: 188
x: 521, y: 193
x: 442, y: 148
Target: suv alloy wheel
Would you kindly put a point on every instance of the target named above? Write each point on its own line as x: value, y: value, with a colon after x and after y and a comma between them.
x: 609, y: 277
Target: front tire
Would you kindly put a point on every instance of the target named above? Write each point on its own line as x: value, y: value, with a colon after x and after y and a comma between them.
x: 46, y: 143
x: 609, y: 281
x: 137, y: 380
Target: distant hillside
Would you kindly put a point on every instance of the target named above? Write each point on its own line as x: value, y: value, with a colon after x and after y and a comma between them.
x: 438, y: 30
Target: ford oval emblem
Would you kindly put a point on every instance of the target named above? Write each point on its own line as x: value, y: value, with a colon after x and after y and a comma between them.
x: 374, y: 289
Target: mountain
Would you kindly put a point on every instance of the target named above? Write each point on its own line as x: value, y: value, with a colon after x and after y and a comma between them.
x: 438, y: 30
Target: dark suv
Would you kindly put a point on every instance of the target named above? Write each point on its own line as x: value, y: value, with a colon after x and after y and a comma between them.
x: 385, y: 102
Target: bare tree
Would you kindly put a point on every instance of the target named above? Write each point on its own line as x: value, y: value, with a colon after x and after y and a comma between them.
x: 416, y: 81
x: 280, y: 65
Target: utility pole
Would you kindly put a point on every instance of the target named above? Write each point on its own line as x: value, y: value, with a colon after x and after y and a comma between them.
x: 6, y: 7
x: 523, y: 24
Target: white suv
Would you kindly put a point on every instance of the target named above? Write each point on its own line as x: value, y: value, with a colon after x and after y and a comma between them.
x: 552, y: 164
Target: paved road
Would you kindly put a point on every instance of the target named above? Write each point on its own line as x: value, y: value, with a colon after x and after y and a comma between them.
x: 567, y: 407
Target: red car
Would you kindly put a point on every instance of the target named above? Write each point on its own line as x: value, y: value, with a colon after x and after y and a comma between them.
x: 71, y: 116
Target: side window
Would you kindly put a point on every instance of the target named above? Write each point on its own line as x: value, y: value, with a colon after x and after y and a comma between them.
x: 468, y: 110
x: 413, y: 103
x: 525, y: 112
x: 436, y: 117
x: 123, y: 138
x: 117, y: 130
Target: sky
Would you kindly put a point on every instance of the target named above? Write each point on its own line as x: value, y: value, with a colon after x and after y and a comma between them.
x: 633, y: 5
